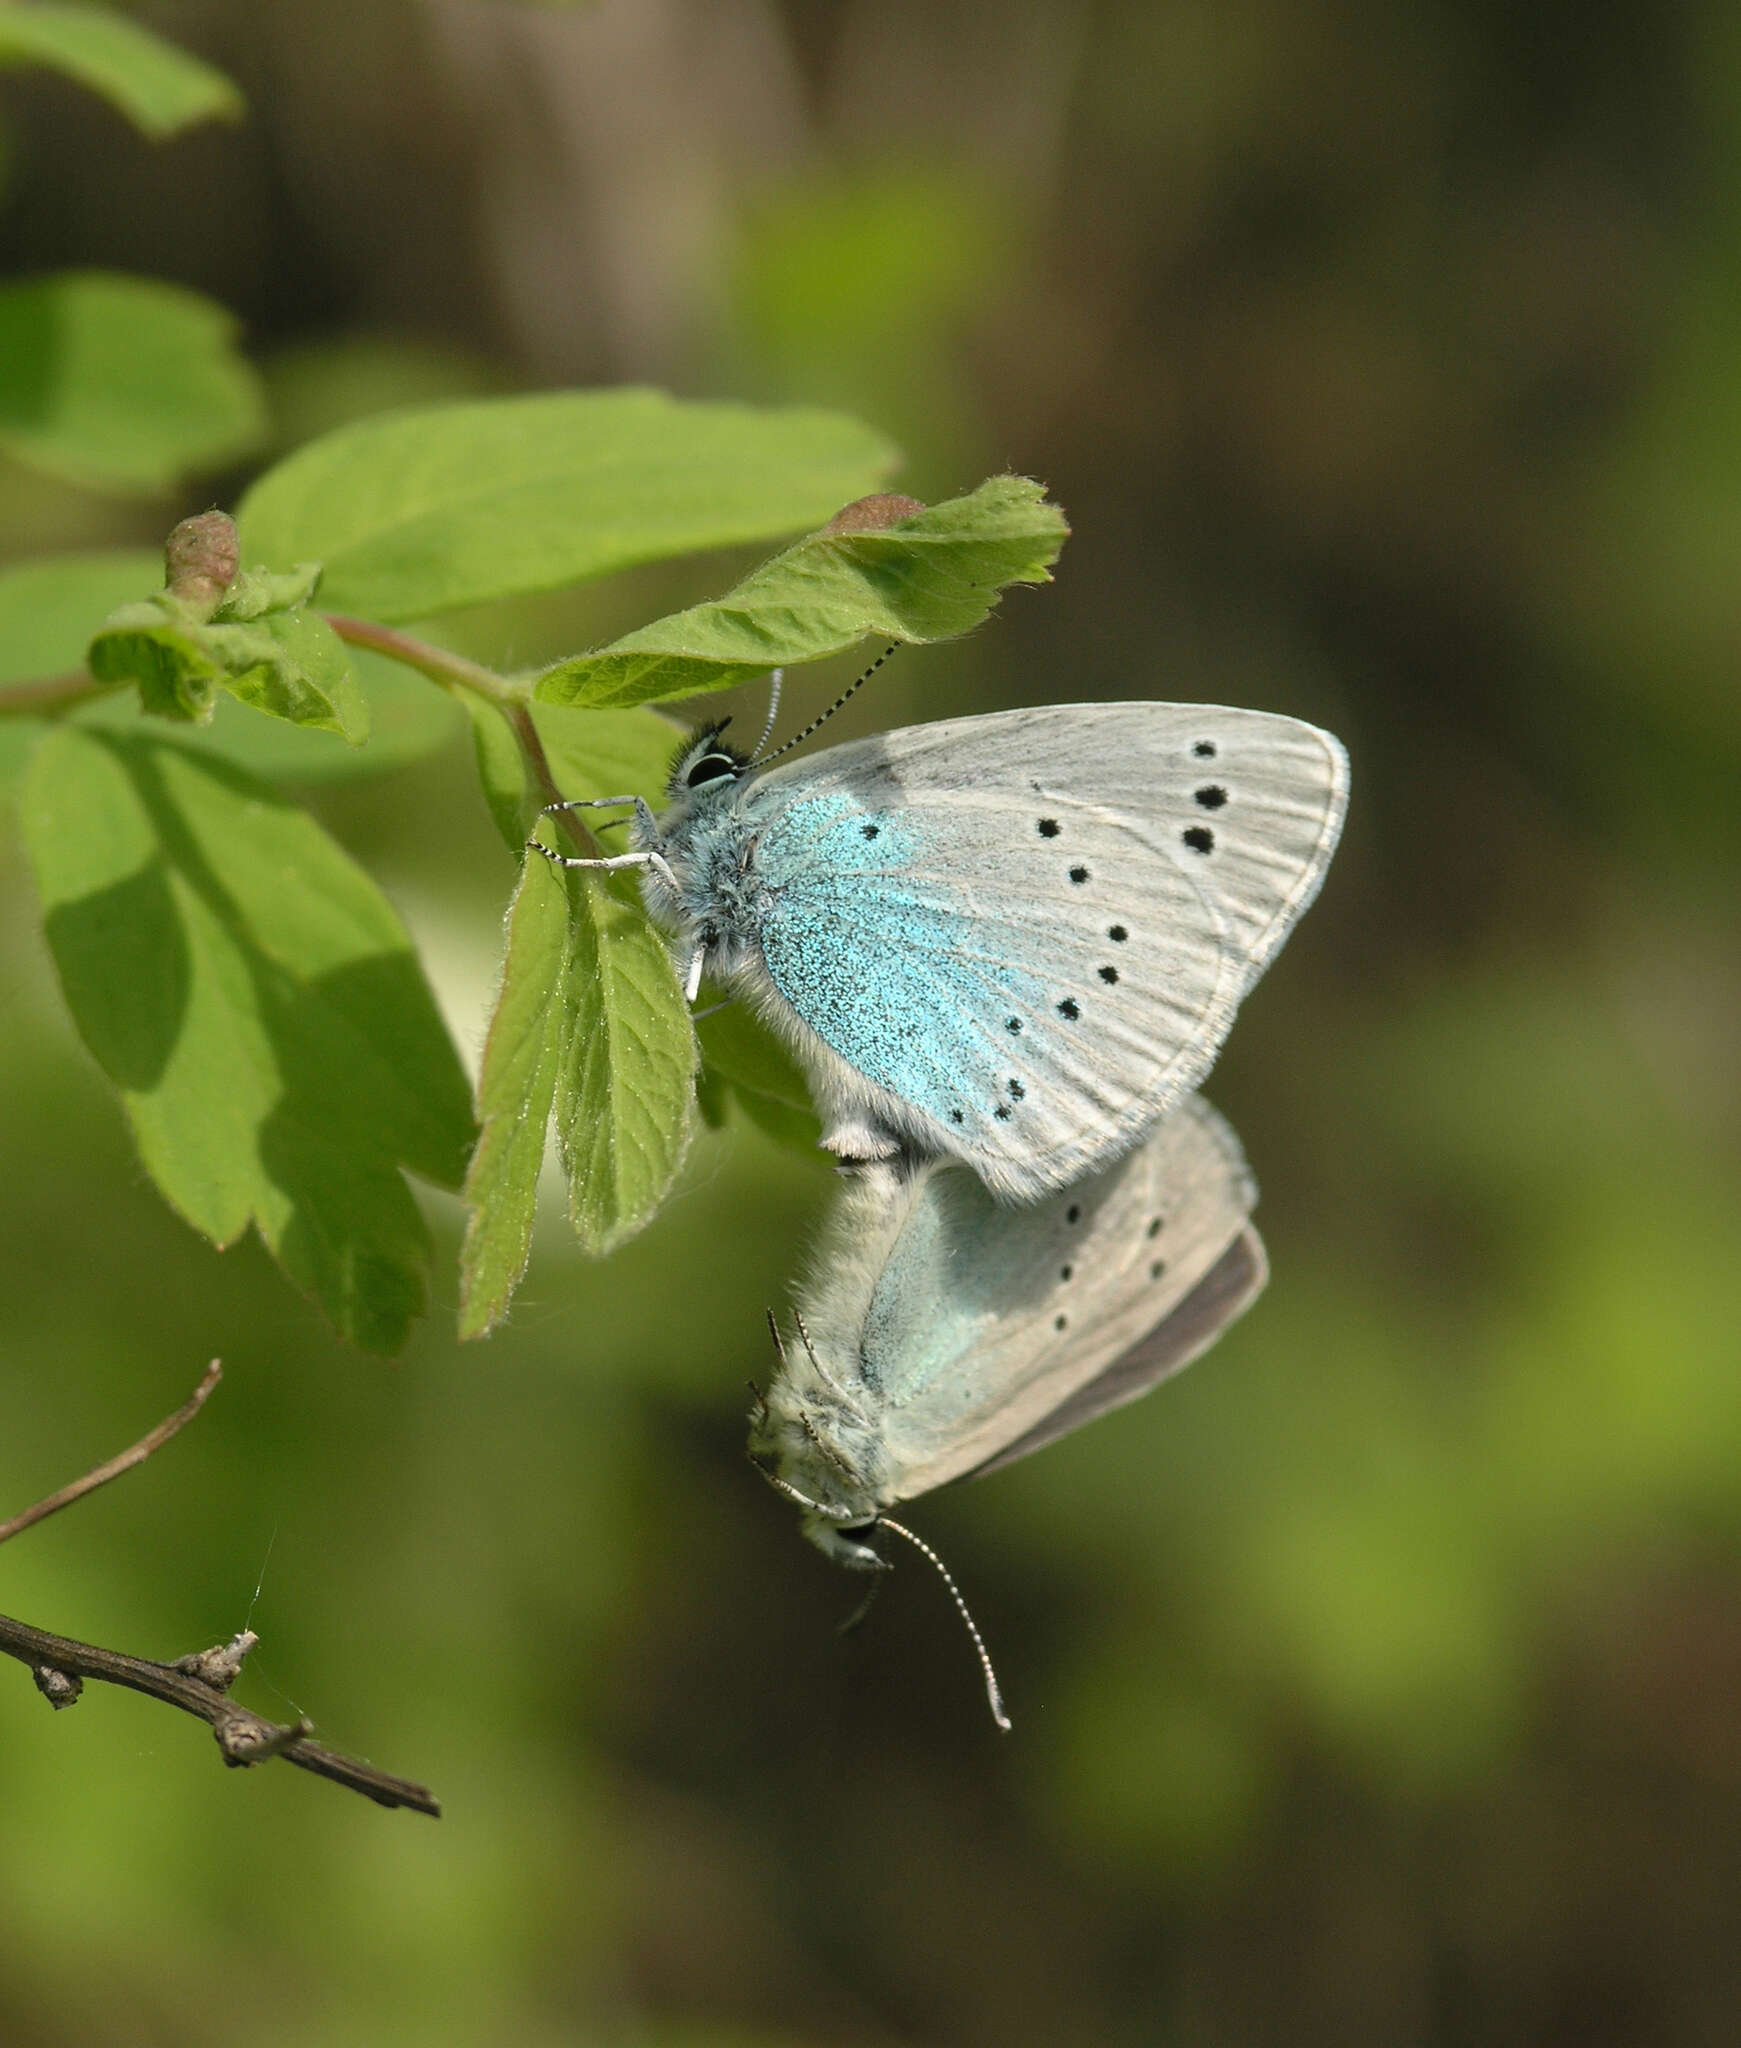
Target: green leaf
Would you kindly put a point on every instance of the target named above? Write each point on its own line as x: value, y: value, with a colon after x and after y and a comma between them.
x: 625, y: 1090
x: 259, y: 1006
x: 122, y: 383
x: 609, y: 753
x: 928, y: 577
x: 415, y: 513
x: 288, y: 663
x: 159, y: 88
x: 744, y: 1057
x: 49, y: 608
x: 516, y: 1092
x: 502, y: 771
x: 408, y: 719
x: 591, y: 754
x: 590, y: 1026
x: 304, y: 676
x: 19, y: 740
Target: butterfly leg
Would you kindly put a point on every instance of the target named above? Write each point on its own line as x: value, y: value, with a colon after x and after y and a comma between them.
x: 655, y: 861
x: 644, y: 820
x: 692, y: 981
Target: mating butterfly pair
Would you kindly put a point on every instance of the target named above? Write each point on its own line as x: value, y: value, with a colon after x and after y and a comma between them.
x: 1013, y: 944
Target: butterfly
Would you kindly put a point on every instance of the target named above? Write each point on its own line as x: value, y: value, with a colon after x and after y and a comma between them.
x: 1017, y: 940
x: 946, y: 1334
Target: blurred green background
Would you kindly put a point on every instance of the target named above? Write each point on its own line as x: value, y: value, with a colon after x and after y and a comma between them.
x: 1382, y: 1680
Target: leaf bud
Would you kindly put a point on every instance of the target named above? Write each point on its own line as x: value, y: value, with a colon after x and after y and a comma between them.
x: 200, y: 559
x: 871, y: 515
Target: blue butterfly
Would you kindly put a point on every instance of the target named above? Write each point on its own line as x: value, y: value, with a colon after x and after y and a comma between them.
x: 946, y: 1335
x: 1018, y: 940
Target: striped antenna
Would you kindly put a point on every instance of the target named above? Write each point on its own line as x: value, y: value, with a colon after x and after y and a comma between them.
x: 816, y: 724
x: 991, y: 1687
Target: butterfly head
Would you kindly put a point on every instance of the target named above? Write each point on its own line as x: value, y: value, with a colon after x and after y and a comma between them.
x: 815, y: 1441
x: 705, y: 765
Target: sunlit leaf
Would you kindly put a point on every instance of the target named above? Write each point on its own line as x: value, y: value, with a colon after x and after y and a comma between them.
x: 591, y: 1028
x: 50, y: 608
x: 930, y: 576
x: 259, y: 1006
x: 122, y: 383
x: 624, y: 1090
x: 415, y: 513
x: 262, y: 646
x: 516, y: 1091
x: 160, y: 88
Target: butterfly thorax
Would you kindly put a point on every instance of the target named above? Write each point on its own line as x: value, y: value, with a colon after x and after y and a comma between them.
x: 711, y: 853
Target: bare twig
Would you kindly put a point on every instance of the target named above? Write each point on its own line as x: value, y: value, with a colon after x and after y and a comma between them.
x: 58, y: 1664
x: 101, y: 1476
x: 198, y: 1684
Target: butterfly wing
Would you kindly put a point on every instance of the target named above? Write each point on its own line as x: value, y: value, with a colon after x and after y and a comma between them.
x: 1221, y: 1297
x: 1028, y: 933
x: 988, y: 1330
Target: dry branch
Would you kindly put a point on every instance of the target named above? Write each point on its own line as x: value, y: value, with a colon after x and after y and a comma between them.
x: 197, y: 1684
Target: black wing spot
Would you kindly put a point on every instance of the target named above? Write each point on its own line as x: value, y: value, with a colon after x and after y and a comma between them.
x: 1199, y: 839
x: 1002, y: 1112
x: 1013, y: 1024
x: 1073, y: 1214
x: 871, y: 831
x: 1109, y: 975
x: 1060, y: 1322
x: 1211, y: 796
x: 955, y: 1117
x: 1155, y: 1223
x: 1069, y: 1008
x: 1157, y: 1269
x: 1204, y: 750
x: 1064, y: 1272
x: 1117, y: 934
x: 1079, y: 876
x: 1017, y: 1090
x: 1048, y: 828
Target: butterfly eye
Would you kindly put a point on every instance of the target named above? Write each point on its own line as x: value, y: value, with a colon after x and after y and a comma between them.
x: 710, y: 768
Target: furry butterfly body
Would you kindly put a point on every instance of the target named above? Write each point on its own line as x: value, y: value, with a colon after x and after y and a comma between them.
x: 947, y: 1334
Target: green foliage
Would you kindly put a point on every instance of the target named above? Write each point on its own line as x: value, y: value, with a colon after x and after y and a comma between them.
x: 404, y: 720
x: 750, y: 1066
x: 122, y: 383
x: 262, y: 644
x: 160, y: 89
x: 590, y: 755
x: 590, y: 1028
x: 251, y: 994
x: 931, y: 576
x: 49, y: 608
x: 419, y: 513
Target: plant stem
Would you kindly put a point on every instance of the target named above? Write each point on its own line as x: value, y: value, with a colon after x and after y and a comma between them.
x: 51, y: 695
x: 439, y: 664
x: 54, y: 694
